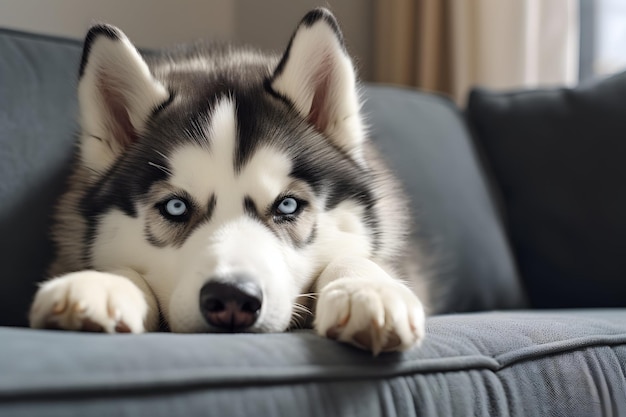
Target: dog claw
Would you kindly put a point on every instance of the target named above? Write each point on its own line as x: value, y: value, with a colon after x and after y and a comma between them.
x: 52, y: 325
x: 122, y: 327
x: 91, y: 326
x: 333, y: 332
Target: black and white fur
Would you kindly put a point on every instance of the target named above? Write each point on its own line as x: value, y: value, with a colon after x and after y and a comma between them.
x: 229, y: 134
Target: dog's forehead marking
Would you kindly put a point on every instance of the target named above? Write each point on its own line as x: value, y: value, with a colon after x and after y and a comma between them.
x: 193, y: 167
x: 223, y: 131
x: 206, y: 171
x: 267, y: 172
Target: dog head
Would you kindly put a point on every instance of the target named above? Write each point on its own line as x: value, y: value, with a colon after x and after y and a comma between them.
x: 228, y: 179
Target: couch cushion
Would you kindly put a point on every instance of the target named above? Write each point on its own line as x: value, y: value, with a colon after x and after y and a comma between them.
x: 37, y: 121
x: 505, y: 364
x: 426, y: 142
x: 559, y: 158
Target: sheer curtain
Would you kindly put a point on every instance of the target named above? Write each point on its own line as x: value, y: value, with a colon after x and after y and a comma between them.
x: 451, y: 45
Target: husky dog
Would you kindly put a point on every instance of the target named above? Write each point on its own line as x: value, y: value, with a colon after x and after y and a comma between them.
x: 220, y: 189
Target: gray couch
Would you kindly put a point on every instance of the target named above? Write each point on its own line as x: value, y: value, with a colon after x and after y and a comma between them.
x: 492, y: 239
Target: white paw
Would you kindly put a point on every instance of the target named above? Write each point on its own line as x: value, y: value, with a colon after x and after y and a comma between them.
x: 380, y: 316
x: 89, y: 301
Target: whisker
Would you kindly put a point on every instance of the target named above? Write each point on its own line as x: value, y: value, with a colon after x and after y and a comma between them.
x: 300, y: 316
x: 296, y: 321
x: 160, y: 167
x: 299, y: 323
x: 162, y: 155
x: 301, y: 308
x: 311, y: 295
x: 93, y: 171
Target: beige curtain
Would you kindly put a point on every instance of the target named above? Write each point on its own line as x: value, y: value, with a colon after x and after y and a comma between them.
x: 449, y: 46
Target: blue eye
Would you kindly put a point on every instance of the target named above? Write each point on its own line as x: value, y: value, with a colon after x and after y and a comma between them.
x: 175, y: 207
x: 288, y: 205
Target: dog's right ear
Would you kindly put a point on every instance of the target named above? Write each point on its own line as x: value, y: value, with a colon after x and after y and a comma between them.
x: 116, y: 95
x: 316, y: 76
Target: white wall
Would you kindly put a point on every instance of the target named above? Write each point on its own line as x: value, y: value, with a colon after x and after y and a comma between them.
x: 154, y: 23
x: 149, y: 23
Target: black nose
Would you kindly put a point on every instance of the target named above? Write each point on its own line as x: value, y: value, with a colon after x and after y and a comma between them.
x: 231, y: 304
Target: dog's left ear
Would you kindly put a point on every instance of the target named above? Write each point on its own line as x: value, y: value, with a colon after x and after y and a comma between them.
x: 116, y: 95
x: 316, y: 75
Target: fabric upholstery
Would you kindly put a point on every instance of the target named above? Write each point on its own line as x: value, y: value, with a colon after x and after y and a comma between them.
x: 428, y: 146
x: 37, y: 124
x: 558, y: 157
x: 490, y: 364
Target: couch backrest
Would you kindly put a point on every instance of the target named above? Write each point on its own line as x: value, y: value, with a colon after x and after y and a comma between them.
x: 423, y: 136
x: 457, y: 225
x: 37, y: 125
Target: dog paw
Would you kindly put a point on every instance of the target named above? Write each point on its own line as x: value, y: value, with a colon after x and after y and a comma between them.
x: 89, y: 301
x: 379, y: 316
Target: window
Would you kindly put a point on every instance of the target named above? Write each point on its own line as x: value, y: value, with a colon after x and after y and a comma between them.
x: 602, y: 37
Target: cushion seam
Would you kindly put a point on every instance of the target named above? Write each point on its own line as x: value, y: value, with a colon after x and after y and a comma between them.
x: 557, y: 348
x: 173, y: 384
